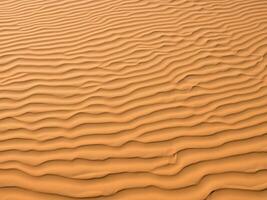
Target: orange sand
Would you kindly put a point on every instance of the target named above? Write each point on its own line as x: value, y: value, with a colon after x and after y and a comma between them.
x: 133, y: 100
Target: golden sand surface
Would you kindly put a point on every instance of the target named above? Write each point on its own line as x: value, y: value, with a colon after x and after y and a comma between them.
x: 133, y: 100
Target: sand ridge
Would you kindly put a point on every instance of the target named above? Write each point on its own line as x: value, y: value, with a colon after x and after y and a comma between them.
x: 133, y: 99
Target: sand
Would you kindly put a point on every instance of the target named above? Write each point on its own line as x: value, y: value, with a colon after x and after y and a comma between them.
x: 133, y: 100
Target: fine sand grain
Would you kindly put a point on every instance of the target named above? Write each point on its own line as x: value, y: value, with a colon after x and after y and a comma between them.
x: 133, y: 99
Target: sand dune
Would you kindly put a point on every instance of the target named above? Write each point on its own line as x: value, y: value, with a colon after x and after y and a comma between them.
x: 133, y: 100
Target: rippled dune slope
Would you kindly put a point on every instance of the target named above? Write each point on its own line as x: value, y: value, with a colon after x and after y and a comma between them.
x: 133, y: 99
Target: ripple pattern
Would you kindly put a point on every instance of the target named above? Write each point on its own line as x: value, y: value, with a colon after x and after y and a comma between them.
x: 133, y: 100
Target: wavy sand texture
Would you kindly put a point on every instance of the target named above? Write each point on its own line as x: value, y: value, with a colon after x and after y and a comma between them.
x: 133, y: 99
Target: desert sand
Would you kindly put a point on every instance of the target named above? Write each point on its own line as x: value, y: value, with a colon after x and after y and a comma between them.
x: 133, y: 100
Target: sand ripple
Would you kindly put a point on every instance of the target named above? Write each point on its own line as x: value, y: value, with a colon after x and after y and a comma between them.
x: 133, y: 99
